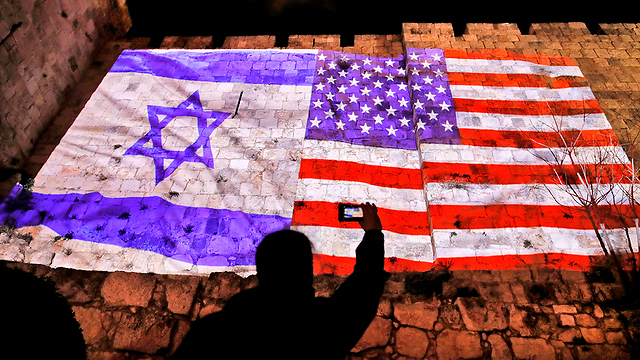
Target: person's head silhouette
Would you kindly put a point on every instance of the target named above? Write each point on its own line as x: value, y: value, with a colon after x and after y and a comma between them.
x: 284, y: 262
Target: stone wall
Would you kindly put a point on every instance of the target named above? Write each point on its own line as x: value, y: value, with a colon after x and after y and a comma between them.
x: 45, y: 47
x: 520, y: 314
x: 610, y: 62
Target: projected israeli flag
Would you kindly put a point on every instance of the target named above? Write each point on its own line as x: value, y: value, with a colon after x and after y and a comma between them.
x: 181, y: 160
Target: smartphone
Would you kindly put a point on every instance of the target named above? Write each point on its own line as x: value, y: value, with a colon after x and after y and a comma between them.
x: 349, y: 212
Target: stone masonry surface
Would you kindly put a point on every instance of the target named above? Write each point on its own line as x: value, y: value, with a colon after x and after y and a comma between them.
x: 45, y: 47
x: 521, y: 314
x: 518, y: 314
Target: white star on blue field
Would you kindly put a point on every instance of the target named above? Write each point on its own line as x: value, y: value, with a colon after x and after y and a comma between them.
x: 207, y: 122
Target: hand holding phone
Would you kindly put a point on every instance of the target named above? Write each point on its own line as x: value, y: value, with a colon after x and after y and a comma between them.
x: 366, y: 214
x: 370, y: 219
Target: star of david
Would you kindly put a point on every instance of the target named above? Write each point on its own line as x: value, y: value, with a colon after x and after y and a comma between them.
x: 167, y: 161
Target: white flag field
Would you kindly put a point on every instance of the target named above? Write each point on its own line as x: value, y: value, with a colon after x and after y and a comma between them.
x: 183, y: 160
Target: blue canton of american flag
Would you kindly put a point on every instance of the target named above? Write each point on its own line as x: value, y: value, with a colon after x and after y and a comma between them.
x: 361, y: 100
x: 434, y: 113
x: 368, y: 101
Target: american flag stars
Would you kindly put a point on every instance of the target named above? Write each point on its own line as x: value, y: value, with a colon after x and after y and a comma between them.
x: 434, y: 114
x: 361, y: 100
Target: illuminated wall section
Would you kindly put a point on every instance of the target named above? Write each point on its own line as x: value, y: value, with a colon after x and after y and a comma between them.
x: 182, y: 161
x: 520, y: 120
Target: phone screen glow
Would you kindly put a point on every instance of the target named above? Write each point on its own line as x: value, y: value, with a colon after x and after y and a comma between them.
x: 353, y: 212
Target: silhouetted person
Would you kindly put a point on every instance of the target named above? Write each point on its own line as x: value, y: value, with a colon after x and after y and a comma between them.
x: 36, y: 320
x: 281, y: 318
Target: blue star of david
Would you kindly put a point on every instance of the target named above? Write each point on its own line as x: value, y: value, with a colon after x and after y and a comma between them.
x: 159, y: 118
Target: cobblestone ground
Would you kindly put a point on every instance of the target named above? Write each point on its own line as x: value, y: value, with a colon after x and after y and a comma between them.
x: 519, y: 314
x: 524, y: 314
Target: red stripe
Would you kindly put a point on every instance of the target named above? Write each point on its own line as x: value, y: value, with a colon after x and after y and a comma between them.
x: 517, y: 107
x: 507, y: 174
x: 537, y: 139
x: 497, y: 216
x: 499, y: 54
x: 515, y: 80
x: 324, y: 213
x: 328, y: 264
x: 391, y: 177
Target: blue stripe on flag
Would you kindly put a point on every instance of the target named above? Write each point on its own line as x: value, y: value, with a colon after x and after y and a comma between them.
x: 272, y: 67
x: 202, y: 236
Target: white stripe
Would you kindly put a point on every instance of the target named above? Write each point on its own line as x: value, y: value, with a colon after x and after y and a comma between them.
x: 509, y: 67
x: 473, y: 120
x: 503, y: 155
x: 92, y: 256
x: 86, y: 255
x: 522, y: 241
x: 369, y: 155
x: 356, y: 192
x: 459, y: 193
x: 343, y: 242
x: 478, y: 92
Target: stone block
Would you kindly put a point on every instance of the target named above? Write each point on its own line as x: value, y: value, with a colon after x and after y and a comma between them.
x: 592, y: 335
x: 384, y: 308
x: 301, y: 41
x: 94, y: 322
x: 570, y: 336
x: 567, y: 320
x: 142, y: 332
x: 450, y: 315
x: 198, y: 42
x: 565, y: 309
x: 580, y: 292
x: 421, y: 315
x: 479, y: 315
x: 519, y: 293
x: 585, y: 320
x: 495, y: 292
x: 499, y: 348
x: 77, y: 286
x: 180, y: 292
x: 515, y: 275
x: 599, y: 352
x: 128, y: 289
x: 532, y: 349
x: 613, y: 324
x: 597, y: 311
x: 203, y: 309
x: 517, y: 316
x: 11, y: 252
x: 376, y: 335
x: 411, y: 342
x: 546, y: 276
x: 223, y: 286
x: 455, y: 345
x: 616, y: 338
x: 182, y: 327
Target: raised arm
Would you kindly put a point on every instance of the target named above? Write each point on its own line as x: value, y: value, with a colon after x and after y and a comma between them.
x: 355, y: 303
x: 370, y: 252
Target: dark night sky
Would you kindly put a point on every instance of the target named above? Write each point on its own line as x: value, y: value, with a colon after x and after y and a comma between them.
x: 156, y: 18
